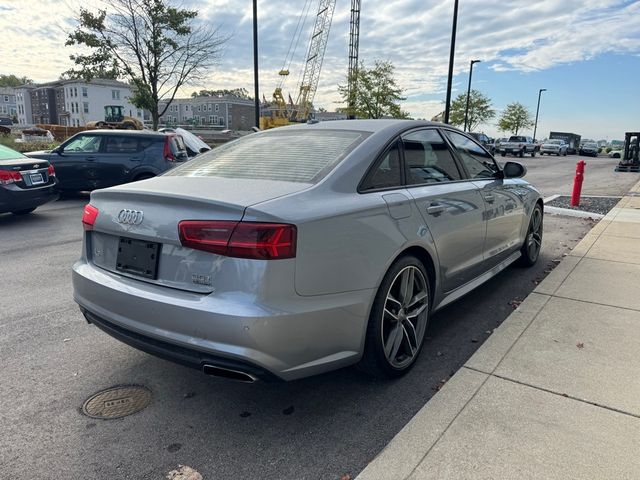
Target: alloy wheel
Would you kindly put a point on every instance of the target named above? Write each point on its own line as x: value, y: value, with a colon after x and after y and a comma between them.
x: 534, y: 239
x: 404, y: 317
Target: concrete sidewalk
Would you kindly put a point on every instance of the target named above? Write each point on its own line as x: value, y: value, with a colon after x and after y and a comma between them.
x: 554, y: 393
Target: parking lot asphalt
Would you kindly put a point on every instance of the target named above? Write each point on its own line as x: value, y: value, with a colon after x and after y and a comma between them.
x: 317, y: 428
x: 554, y: 175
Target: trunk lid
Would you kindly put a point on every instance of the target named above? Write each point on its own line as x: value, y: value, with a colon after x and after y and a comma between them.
x: 33, y: 173
x: 142, y: 219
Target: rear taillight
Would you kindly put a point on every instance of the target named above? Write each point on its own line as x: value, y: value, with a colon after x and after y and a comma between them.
x: 89, y: 216
x: 259, y: 241
x: 9, y: 176
x: 168, y: 153
x: 51, y: 171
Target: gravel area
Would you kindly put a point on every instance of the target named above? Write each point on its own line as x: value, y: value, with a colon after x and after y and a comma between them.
x: 600, y: 205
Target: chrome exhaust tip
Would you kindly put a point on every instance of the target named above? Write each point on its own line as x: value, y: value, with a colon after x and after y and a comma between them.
x: 228, y: 373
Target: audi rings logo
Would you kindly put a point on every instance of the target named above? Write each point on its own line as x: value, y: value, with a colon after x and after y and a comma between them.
x: 130, y: 217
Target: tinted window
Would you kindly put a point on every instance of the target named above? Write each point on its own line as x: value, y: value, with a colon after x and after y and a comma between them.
x: 428, y: 159
x: 83, y: 143
x: 386, y: 173
x: 124, y: 144
x: 294, y: 155
x: 476, y: 160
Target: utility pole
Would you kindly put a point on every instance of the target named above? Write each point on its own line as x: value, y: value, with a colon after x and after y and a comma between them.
x: 466, y: 110
x: 535, y: 128
x: 451, y: 58
x: 354, y: 42
x: 255, y: 62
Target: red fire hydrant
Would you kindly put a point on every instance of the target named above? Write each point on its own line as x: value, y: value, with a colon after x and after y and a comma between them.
x: 577, y: 183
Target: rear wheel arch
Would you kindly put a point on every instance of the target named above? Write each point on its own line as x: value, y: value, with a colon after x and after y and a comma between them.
x: 425, y: 257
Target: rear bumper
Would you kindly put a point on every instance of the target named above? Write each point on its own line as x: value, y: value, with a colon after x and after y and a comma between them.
x: 13, y: 198
x: 310, y: 335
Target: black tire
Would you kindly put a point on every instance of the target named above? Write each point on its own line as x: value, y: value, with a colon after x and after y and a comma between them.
x: 374, y: 360
x: 521, y: 154
x: 503, y: 154
x: 564, y: 154
x: 530, y: 255
x: 26, y: 211
x: 533, y: 154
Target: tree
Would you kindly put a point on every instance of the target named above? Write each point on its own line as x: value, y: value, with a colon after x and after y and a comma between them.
x: 235, y: 92
x: 13, y: 81
x: 515, y: 118
x: 157, y: 47
x: 377, y: 93
x: 480, y: 110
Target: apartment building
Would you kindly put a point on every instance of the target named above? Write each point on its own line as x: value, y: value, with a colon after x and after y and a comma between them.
x: 72, y: 102
x: 8, y: 106
x: 224, y: 112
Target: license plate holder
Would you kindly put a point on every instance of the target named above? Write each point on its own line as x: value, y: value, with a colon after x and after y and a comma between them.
x: 36, y: 178
x: 138, y: 257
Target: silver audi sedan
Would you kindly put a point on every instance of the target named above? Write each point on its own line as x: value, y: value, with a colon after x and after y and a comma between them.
x: 303, y: 249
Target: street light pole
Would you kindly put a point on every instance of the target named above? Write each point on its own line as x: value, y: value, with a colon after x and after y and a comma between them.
x: 535, y: 128
x: 255, y: 62
x: 451, y: 57
x: 466, y: 110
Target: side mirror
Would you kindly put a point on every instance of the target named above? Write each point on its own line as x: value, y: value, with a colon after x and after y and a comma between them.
x: 57, y: 150
x: 514, y: 170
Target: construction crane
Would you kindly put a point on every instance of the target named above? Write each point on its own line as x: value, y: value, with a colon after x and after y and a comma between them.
x: 315, y: 56
x: 354, y: 42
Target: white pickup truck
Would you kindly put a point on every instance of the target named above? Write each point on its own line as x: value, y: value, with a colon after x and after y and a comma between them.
x: 518, y: 145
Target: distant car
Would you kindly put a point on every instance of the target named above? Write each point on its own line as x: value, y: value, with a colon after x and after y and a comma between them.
x: 589, y: 149
x: 554, y: 147
x: 297, y: 250
x: 25, y: 184
x: 518, y: 145
x: 616, y: 153
x: 485, y: 141
x: 6, y: 121
x: 194, y: 144
x: 103, y: 158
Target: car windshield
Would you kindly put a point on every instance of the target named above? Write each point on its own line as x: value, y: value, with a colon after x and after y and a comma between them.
x: 291, y: 156
x: 7, y: 154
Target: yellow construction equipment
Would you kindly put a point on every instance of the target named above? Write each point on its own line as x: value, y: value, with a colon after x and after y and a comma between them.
x: 115, y: 118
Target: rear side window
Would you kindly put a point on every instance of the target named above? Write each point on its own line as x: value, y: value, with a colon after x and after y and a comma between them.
x: 177, y: 144
x: 386, y: 173
x: 292, y: 156
x: 428, y: 159
x: 123, y: 144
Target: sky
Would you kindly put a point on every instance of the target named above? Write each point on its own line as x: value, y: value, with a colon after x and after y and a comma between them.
x: 586, y: 53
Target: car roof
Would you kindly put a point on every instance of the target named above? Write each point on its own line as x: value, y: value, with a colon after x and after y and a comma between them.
x: 135, y: 133
x: 372, y: 126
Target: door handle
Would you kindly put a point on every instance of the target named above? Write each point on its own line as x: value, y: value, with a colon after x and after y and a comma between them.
x: 90, y: 159
x: 435, y: 209
x: 489, y: 198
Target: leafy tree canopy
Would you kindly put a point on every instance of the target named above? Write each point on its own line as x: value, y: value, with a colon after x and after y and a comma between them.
x: 13, y: 81
x: 515, y: 118
x: 480, y: 110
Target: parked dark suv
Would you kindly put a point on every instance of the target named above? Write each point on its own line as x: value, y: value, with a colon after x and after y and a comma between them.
x: 103, y: 158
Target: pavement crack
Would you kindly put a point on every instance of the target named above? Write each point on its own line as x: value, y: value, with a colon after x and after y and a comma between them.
x: 566, y: 395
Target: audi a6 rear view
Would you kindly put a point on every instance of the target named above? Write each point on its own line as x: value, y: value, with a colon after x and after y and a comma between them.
x: 298, y: 250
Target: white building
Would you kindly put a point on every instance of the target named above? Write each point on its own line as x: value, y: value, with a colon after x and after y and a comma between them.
x: 72, y: 102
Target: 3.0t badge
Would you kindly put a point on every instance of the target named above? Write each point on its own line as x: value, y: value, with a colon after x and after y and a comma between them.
x: 130, y: 217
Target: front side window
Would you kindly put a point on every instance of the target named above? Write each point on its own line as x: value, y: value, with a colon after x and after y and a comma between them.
x: 428, y: 159
x: 308, y: 157
x: 386, y: 173
x: 475, y: 159
x: 83, y: 143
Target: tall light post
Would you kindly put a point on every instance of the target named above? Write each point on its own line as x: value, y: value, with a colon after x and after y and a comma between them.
x: 452, y: 52
x: 466, y: 110
x: 535, y: 127
x: 255, y: 62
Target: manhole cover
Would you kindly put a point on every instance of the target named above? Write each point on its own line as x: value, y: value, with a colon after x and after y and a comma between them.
x: 117, y: 402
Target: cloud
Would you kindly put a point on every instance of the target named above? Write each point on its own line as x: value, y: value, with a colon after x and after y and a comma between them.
x: 519, y: 35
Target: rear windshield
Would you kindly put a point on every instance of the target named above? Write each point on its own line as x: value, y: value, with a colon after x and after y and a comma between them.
x: 7, y: 154
x: 296, y: 155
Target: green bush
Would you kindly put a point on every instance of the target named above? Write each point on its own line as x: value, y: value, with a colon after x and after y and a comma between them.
x: 10, y: 142
x: 608, y: 149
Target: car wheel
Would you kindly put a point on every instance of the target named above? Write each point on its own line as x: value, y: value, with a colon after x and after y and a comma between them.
x: 24, y: 212
x: 564, y: 154
x: 533, y: 154
x: 398, y: 320
x: 503, y: 154
x: 533, y: 241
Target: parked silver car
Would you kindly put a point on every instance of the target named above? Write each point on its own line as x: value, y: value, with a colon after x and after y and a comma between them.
x: 302, y: 249
x: 554, y: 147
